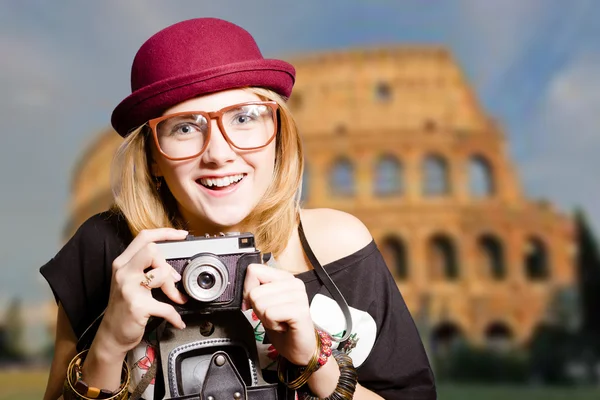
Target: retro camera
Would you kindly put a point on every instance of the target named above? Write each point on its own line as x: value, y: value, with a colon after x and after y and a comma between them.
x: 215, y: 356
x: 212, y: 270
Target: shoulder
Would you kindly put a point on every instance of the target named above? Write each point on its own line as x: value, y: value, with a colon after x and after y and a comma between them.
x: 106, y: 223
x: 102, y: 231
x: 334, y: 234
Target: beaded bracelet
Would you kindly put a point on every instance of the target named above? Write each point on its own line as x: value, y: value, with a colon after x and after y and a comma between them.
x: 346, y: 383
x: 75, y: 388
x: 318, y: 359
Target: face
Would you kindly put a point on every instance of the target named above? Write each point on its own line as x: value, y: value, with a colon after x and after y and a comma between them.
x: 218, y: 189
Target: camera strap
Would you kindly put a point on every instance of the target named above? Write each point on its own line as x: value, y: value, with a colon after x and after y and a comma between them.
x: 328, y: 283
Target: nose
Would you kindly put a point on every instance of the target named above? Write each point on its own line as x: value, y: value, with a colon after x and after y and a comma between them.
x: 218, y: 151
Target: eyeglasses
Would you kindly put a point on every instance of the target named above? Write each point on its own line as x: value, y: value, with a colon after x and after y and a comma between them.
x: 245, y: 126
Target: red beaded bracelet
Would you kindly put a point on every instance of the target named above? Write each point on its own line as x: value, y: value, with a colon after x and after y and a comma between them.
x: 325, y: 349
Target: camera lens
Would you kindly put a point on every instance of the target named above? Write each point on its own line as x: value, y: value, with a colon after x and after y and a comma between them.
x: 206, y: 280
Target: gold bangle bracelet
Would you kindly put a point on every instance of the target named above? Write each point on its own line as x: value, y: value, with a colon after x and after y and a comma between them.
x: 74, y: 377
x: 307, y: 371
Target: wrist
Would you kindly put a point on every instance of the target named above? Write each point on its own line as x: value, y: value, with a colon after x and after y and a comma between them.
x: 324, y: 381
x: 106, y: 348
x: 103, y: 364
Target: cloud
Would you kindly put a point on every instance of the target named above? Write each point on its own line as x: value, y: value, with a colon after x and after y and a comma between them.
x: 564, y: 139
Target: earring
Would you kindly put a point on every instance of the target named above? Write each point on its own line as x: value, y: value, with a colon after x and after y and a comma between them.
x: 158, y: 183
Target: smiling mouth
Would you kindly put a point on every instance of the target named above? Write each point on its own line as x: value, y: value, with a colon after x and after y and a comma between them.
x: 221, y: 183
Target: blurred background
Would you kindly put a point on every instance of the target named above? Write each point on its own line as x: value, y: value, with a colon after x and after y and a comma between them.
x: 463, y: 133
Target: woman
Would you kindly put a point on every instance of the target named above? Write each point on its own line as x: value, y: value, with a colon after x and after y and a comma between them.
x: 210, y: 147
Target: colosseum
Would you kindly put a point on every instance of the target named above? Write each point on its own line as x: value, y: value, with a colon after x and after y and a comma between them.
x: 396, y: 136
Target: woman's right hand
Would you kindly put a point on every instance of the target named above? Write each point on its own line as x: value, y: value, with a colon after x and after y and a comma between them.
x: 130, y: 304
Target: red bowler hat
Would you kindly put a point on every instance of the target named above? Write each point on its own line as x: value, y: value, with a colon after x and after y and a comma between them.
x: 192, y: 58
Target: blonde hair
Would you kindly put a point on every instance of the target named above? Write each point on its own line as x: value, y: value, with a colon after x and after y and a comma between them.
x: 273, y: 219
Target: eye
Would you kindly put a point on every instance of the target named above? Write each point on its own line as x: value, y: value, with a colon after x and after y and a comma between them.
x: 185, y: 129
x: 248, y: 114
x: 185, y: 125
x: 242, y: 118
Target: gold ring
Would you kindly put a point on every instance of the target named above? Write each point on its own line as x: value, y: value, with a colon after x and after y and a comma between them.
x: 147, y: 280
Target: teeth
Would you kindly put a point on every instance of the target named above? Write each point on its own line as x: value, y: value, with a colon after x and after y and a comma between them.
x: 221, y: 182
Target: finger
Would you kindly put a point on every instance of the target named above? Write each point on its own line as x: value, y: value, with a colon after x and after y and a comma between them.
x: 145, y: 237
x: 156, y: 276
x: 173, y: 293
x: 148, y: 260
x: 278, y: 317
x: 166, y: 311
x: 258, y: 274
x: 298, y: 306
x: 288, y: 291
x: 149, y: 257
x: 163, y: 276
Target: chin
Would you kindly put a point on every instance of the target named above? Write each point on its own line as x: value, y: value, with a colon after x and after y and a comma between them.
x: 225, y: 223
x: 227, y: 218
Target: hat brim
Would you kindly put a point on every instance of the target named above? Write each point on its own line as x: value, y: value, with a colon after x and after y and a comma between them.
x: 152, y: 100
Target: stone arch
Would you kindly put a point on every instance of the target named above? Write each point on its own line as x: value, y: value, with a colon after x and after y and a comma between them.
x: 491, y: 261
x: 436, y: 176
x: 388, y: 176
x: 536, y: 259
x: 481, y: 177
x: 395, y: 254
x: 429, y: 125
x: 342, y: 177
x: 383, y: 91
x: 498, y: 335
x: 444, y: 336
x: 340, y: 129
x: 442, y: 260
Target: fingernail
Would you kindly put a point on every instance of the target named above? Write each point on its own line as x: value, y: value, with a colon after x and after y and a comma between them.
x: 176, y: 275
x: 182, y: 326
x: 182, y: 231
x: 244, y: 305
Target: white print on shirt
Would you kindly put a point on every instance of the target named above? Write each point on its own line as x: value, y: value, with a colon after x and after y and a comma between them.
x: 326, y: 314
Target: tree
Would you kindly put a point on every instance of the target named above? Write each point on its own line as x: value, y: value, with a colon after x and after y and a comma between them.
x: 3, y: 348
x: 14, y: 330
x: 570, y: 333
x: 588, y: 271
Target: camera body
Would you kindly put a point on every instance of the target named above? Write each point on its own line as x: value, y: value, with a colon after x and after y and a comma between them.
x: 212, y: 269
x: 189, y: 365
x: 215, y: 356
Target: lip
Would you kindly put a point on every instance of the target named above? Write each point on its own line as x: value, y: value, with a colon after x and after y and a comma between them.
x: 223, y: 192
x: 220, y: 175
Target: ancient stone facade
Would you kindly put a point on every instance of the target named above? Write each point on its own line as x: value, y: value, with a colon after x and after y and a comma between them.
x: 90, y: 186
x: 396, y: 137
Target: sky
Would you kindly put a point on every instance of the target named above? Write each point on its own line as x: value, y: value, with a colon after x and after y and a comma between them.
x: 64, y: 65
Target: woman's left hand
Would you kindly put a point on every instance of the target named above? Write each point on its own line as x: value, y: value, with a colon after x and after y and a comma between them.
x: 280, y: 301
